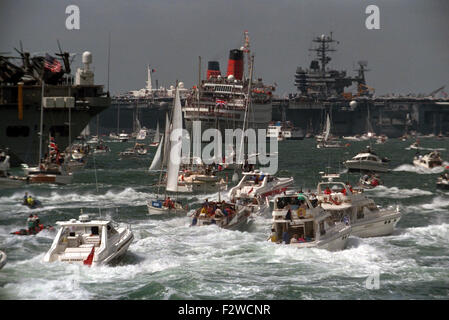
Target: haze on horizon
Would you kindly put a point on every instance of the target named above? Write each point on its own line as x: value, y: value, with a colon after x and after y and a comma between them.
x: 409, y: 54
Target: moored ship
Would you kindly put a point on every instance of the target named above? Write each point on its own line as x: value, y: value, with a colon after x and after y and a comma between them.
x: 222, y: 101
x: 42, y: 82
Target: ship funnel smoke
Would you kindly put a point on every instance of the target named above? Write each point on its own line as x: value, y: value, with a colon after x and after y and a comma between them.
x: 235, y: 64
x: 213, y: 69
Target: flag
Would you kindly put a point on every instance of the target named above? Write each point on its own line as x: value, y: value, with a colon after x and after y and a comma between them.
x: 220, y: 103
x: 153, y: 70
x: 90, y: 257
x: 52, y: 64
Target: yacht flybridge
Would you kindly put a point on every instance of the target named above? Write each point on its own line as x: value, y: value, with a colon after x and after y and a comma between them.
x: 347, y: 204
x: 259, y: 184
x: 298, y: 223
x: 90, y: 242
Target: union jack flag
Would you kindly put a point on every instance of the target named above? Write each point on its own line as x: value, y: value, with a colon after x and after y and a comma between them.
x: 52, y: 64
x: 220, y: 103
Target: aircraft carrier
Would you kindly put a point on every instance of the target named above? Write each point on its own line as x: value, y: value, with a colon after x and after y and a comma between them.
x: 41, y: 97
x: 322, y: 90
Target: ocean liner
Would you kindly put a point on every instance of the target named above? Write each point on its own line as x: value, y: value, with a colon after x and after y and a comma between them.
x: 41, y: 97
x: 221, y: 101
x: 321, y: 91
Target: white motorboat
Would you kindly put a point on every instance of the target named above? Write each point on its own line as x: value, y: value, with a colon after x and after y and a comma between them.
x: 443, y: 181
x: 140, y: 149
x: 91, y: 242
x: 128, y: 152
x: 123, y: 137
x: 351, y: 205
x: 381, y: 139
x: 3, y: 259
x: 429, y: 161
x: 367, y: 161
x: 226, y: 215
x: 101, y: 148
x: 325, y: 140
x: 298, y: 223
x: 259, y: 184
x: 93, y: 140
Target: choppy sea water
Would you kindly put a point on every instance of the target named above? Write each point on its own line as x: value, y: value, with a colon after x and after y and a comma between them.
x: 170, y: 260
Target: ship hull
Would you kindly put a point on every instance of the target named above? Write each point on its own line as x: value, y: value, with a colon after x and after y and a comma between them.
x: 20, y: 133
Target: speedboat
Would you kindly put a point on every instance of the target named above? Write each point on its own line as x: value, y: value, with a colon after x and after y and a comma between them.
x: 140, y: 148
x: 367, y: 161
x: 226, y: 215
x: 101, y: 148
x: 157, y: 207
x: 298, y: 223
x: 91, y: 242
x: 259, y: 184
x: 351, y: 205
x: 3, y: 259
x: 381, y: 139
x: 443, y: 181
x: 429, y: 161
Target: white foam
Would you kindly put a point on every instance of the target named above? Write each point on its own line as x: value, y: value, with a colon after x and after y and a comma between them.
x: 396, y: 193
x: 419, y: 170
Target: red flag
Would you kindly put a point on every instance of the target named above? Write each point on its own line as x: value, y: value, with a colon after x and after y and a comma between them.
x: 90, y: 257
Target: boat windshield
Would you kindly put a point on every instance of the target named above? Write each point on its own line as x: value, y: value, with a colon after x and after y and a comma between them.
x: 291, y: 202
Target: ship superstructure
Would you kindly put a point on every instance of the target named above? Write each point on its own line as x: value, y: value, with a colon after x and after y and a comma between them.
x: 323, y: 90
x: 42, y: 94
x: 220, y: 101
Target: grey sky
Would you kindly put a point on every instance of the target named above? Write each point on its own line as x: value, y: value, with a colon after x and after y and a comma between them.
x: 410, y: 53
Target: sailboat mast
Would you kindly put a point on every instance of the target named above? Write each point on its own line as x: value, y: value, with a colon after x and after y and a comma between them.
x: 248, y: 102
x: 42, y: 123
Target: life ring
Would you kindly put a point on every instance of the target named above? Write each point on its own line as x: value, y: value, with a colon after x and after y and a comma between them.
x: 301, y: 212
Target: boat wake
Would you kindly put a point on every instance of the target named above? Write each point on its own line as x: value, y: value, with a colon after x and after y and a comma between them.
x: 420, y: 170
x: 396, y: 193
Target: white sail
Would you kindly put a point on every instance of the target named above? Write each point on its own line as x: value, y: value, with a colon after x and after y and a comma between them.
x: 156, y: 164
x: 86, y: 131
x: 167, y: 140
x: 157, y: 135
x: 328, y: 128
x: 176, y: 146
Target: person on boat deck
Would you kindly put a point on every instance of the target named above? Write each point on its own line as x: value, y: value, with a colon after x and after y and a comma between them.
x: 203, y: 211
x: 301, y: 239
x: 30, y: 223
x: 349, y: 186
x: 288, y: 216
x: 274, y: 236
x: 294, y: 239
x: 168, y: 203
x: 206, y: 203
x: 218, y: 213
x: 194, y: 220
x: 327, y: 190
x: 36, y: 220
x: 285, y: 237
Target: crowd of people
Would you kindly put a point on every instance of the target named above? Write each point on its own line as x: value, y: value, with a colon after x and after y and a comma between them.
x: 214, y: 210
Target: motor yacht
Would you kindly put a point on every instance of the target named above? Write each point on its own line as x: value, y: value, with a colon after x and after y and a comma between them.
x: 87, y: 241
x: 297, y: 222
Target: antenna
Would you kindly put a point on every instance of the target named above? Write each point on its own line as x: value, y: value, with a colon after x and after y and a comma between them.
x: 109, y: 56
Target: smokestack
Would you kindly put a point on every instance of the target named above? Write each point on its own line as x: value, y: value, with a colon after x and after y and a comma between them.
x: 235, y: 64
x: 213, y: 69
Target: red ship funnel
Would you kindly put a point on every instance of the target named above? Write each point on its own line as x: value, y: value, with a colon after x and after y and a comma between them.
x: 235, y: 64
x: 213, y: 69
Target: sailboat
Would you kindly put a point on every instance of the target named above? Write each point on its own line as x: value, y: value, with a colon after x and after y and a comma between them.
x: 172, y: 156
x: 156, y: 139
x: 325, y: 140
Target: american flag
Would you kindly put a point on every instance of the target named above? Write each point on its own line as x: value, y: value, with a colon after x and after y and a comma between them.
x: 53, y: 146
x: 220, y: 103
x: 52, y: 63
